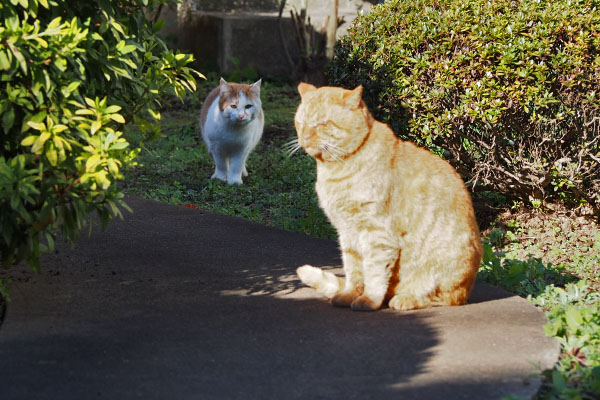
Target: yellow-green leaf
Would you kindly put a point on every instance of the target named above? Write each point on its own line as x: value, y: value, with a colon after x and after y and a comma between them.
x: 52, y: 156
x: 117, y: 118
x: 112, y: 109
x: 38, y: 126
x: 112, y: 167
x: 59, y: 128
x: 84, y: 111
x: 28, y: 141
x: 90, y: 102
x: 38, y: 145
x: 95, y: 126
x: 92, y: 162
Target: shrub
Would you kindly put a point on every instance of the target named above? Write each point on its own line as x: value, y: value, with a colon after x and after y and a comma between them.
x: 507, y: 90
x: 72, y: 74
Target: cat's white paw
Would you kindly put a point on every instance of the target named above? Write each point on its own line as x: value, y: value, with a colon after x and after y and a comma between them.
x: 220, y: 176
x: 235, y: 181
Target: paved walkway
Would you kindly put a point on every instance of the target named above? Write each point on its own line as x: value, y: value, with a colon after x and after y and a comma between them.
x: 174, y: 303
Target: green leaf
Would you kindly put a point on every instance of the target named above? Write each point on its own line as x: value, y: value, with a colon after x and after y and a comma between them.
x: 128, y: 49
x: 573, y: 317
x: 8, y: 119
x: 558, y: 380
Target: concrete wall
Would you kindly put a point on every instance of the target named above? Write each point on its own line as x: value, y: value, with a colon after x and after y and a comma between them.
x: 219, y: 31
x: 255, y: 41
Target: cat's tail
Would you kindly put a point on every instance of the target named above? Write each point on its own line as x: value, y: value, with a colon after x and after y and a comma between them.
x: 323, y: 282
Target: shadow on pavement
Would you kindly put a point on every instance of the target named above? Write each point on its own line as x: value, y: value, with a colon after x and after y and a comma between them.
x: 176, y: 303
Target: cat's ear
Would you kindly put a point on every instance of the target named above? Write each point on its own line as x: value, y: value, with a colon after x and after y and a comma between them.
x: 304, y: 88
x: 224, y: 87
x: 255, y: 88
x: 352, y: 97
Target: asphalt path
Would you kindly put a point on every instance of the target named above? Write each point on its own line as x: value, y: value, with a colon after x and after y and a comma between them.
x: 176, y: 303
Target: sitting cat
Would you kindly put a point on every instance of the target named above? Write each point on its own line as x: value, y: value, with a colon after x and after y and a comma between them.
x: 231, y: 122
x: 404, y: 218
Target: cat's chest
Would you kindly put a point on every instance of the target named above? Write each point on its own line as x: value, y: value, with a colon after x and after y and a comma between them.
x: 352, y: 195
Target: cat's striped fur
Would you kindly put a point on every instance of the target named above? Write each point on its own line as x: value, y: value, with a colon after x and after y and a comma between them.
x: 404, y: 218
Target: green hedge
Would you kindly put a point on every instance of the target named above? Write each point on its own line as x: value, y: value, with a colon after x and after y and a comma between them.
x: 72, y: 74
x: 506, y: 90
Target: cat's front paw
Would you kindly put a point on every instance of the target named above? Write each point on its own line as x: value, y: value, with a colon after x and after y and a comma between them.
x: 220, y: 176
x: 365, y: 303
x: 235, y: 181
x: 404, y: 302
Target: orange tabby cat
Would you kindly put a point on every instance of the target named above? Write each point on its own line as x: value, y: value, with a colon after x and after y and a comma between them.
x: 404, y: 218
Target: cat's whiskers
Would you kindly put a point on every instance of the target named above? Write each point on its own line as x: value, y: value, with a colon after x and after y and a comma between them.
x: 291, y: 147
x: 334, y: 151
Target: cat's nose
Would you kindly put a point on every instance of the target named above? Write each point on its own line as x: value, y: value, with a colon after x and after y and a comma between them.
x: 240, y: 116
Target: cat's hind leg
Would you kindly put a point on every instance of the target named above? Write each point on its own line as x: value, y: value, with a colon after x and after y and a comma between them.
x: 415, y: 288
x: 420, y: 290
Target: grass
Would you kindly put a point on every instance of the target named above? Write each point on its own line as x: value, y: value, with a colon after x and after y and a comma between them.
x: 279, y: 190
x: 551, y: 259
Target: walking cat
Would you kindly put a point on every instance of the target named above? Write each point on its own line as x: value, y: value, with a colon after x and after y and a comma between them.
x: 404, y: 218
x: 231, y: 122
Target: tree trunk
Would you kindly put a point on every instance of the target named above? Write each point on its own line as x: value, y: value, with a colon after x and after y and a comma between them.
x: 332, y: 28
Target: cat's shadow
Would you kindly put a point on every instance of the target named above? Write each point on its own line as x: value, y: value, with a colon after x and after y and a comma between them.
x: 281, y: 281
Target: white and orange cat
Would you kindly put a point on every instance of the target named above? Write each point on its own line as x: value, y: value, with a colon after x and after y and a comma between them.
x: 404, y: 218
x: 231, y: 122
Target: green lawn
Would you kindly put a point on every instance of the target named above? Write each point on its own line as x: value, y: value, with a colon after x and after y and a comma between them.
x: 553, y: 260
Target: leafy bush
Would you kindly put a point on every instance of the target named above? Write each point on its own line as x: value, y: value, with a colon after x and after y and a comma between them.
x: 507, y: 90
x: 72, y: 74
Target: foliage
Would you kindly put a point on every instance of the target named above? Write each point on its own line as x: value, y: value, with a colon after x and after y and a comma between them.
x: 72, y: 74
x: 523, y: 277
x: 573, y: 311
x: 507, y: 90
x: 574, y: 320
